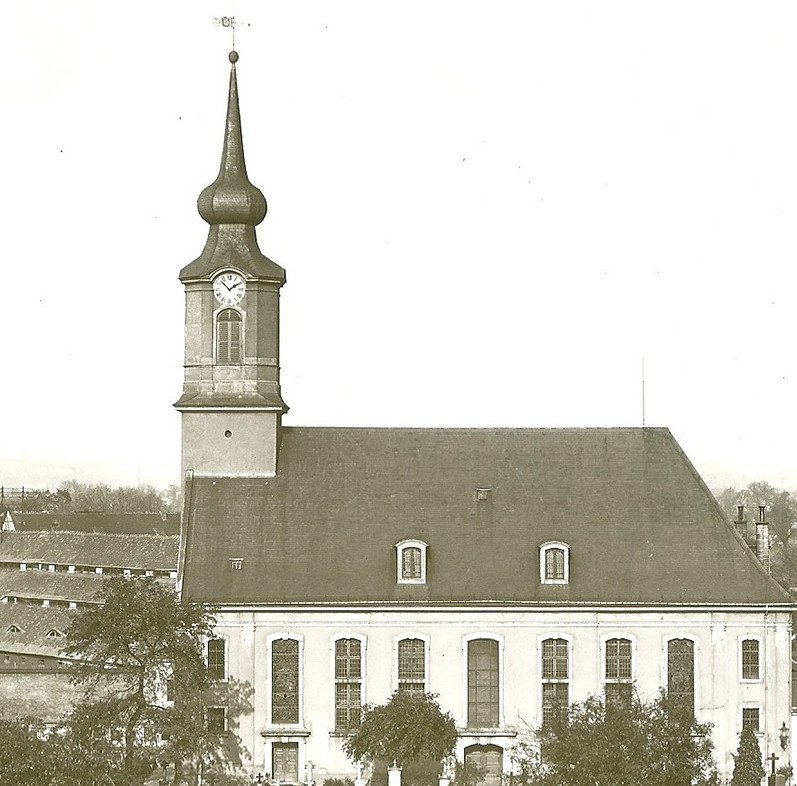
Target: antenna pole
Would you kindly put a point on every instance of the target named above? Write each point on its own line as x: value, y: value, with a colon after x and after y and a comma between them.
x: 643, y: 391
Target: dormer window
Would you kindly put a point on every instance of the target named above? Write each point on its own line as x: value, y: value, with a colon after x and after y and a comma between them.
x: 54, y: 633
x: 411, y: 562
x: 13, y: 629
x: 554, y: 563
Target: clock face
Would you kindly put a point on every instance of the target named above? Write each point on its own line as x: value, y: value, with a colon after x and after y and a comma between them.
x: 229, y: 289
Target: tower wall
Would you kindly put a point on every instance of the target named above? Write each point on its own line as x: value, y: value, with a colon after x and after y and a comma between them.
x: 249, y: 450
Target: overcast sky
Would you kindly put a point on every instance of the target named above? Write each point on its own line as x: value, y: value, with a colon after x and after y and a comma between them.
x: 489, y: 213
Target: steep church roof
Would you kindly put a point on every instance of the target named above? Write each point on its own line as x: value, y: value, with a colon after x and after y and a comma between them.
x: 641, y: 526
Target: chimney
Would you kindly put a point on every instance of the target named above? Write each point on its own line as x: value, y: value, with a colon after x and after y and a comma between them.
x: 762, y: 538
x: 743, y: 527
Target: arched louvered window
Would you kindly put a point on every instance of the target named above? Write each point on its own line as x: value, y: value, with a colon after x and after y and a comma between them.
x: 229, y: 337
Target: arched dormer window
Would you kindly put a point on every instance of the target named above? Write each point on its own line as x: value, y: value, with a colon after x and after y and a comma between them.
x: 411, y: 562
x: 229, y: 337
x: 554, y: 563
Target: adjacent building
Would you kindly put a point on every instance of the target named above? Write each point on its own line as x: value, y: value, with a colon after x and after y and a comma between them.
x: 45, y: 579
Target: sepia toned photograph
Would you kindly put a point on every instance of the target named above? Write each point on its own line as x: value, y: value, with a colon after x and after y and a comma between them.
x: 398, y: 395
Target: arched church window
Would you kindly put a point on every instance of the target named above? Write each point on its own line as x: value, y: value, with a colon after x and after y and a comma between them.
x: 229, y: 335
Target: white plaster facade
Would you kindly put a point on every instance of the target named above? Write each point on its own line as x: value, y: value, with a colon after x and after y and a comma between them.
x: 720, y: 691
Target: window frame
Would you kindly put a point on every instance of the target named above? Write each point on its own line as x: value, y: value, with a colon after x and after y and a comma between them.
x: 226, y: 646
x: 270, y: 678
x: 695, y: 664
x: 224, y: 721
x: 397, y: 639
x: 759, y: 732
x: 550, y: 546
x: 759, y: 670
x: 466, y: 642
x: 401, y: 547
x: 618, y: 680
x: 334, y: 639
x: 542, y: 680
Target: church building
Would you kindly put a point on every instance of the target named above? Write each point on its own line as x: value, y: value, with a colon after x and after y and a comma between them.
x: 509, y: 571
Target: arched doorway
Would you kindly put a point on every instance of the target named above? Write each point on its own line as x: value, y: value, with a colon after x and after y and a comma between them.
x: 489, y: 759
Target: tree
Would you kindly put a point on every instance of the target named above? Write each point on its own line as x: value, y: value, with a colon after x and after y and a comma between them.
x: 781, y: 515
x: 146, y: 685
x: 26, y: 758
x: 101, y: 498
x: 747, y: 769
x: 599, y: 745
x: 781, y: 507
x: 409, y: 729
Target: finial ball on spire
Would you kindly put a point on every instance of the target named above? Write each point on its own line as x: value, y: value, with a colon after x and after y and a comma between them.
x: 233, y: 56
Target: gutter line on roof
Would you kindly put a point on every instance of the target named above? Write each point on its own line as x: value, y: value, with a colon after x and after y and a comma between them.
x: 492, y: 606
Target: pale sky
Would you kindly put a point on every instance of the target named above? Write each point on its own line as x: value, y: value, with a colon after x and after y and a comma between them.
x: 489, y: 213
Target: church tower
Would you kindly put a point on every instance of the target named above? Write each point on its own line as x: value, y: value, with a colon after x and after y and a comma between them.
x: 231, y: 404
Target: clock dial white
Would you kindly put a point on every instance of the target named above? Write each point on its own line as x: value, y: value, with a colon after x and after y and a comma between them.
x: 229, y: 289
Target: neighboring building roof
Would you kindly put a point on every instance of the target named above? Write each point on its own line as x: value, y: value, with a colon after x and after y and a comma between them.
x: 153, y: 552
x: 41, y: 584
x: 109, y: 523
x: 34, y: 623
x: 641, y: 525
x: 53, y: 586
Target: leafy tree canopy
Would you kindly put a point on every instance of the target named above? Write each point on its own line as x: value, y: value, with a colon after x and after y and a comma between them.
x: 26, y: 759
x: 101, y: 498
x: 146, y: 686
x: 781, y: 506
x: 408, y: 728
x: 600, y: 745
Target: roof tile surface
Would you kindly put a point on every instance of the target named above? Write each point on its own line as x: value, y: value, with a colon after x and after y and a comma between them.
x: 641, y: 525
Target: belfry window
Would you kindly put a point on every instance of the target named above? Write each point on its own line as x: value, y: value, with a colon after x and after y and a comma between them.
x: 229, y: 335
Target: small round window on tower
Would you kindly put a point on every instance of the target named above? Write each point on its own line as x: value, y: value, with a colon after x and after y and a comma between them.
x: 228, y: 434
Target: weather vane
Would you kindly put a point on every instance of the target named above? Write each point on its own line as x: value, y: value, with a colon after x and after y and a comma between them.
x: 229, y: 21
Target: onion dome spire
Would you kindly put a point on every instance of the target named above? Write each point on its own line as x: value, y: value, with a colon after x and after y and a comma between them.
x: 233, y: 207
x: 231, y: 198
